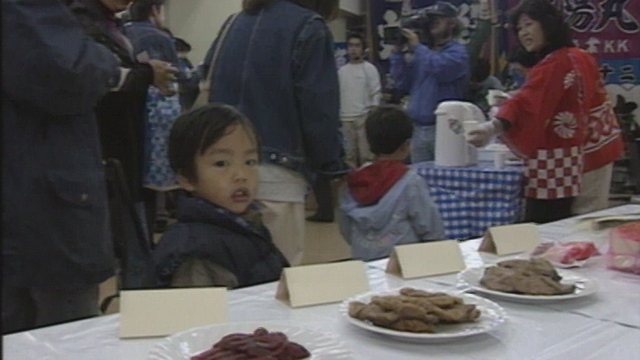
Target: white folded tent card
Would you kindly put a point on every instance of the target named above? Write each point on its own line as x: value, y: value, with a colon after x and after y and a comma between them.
x: 510, y: 239
x: 426, y: 259
x: 152, y: 313
x: 322, y: 284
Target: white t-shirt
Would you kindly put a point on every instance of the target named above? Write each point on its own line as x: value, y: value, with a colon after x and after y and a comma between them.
x: 359, y: 89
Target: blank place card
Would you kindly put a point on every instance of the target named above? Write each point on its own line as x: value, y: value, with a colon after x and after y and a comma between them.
x: 426, y: 259
x: 510, y: 239
x: 151, y: 313
x: 322, y: 284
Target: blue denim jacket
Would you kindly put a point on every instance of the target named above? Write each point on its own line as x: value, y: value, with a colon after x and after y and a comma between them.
x: 278, y: 68
x: 432, y: 76
x: 145, y: 36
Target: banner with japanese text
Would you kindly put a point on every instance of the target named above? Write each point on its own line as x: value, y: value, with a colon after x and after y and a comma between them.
x: 610, y: 31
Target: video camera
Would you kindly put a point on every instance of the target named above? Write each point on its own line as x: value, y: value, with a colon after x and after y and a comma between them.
x: 417, y: 21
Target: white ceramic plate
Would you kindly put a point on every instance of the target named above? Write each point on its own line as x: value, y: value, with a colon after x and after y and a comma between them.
x: 584, y: 286
x: 491, y: 316
x: 183, y: 345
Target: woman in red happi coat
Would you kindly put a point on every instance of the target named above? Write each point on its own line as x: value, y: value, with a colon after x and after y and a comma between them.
x: 561, y: 121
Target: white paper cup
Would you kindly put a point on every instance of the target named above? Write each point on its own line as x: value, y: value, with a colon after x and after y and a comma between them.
x: 500, y: 159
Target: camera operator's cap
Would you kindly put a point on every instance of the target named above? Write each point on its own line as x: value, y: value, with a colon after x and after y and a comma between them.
x: 442, y: 8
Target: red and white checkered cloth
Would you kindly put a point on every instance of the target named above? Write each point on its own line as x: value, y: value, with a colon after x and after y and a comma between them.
x: 554, y: 173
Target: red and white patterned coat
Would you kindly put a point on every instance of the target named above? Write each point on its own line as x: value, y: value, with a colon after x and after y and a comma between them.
x: 603, y: 140
x: 561, y: 112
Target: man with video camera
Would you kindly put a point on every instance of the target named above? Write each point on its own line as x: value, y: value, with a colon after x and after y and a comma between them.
x: 431, y: 66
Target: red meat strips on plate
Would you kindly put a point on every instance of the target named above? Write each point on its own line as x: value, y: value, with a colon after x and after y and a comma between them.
x: 261, y: 345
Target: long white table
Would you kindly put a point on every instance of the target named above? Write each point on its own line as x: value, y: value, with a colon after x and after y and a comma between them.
x: 603, y: 326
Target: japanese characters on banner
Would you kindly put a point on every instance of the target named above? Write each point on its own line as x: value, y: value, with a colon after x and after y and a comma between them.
x: 610, y: 30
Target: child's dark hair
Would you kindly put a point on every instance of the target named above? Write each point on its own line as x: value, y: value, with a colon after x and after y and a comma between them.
x: 388, y: 127
x: 359, y: 36
x: 195, y: 131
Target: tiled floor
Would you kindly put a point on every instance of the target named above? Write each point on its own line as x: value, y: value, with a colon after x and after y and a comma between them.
x: 324, y: 243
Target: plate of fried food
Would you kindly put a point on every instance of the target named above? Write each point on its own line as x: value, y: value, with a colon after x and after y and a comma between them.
x: 245, y: 341
x: 528, y: 281
x: 423, y: 315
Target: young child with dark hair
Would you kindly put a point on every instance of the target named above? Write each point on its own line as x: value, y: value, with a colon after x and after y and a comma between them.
x: 387, y: 203
x: 219, y: 239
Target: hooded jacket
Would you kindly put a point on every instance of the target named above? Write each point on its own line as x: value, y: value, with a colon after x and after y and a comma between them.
x: 386, y: 205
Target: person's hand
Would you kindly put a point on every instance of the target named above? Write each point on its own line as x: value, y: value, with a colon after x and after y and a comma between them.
x: 481, y: 135
x: 412, y: 38
x: 499, y: 100
x: 163, y: 76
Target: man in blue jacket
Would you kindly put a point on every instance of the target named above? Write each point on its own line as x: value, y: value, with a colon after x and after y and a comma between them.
x: 431, y: 70
x: 56, y: 247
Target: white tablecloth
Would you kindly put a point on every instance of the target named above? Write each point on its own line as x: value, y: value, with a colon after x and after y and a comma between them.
x: 604, y: 326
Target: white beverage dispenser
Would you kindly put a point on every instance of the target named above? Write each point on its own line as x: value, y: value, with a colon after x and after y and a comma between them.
x: 453, y: 119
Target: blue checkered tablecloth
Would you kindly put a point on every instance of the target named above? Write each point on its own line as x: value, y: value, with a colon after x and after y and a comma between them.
x: 472, y: 199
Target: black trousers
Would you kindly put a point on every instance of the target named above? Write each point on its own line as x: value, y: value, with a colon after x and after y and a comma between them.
x: 544, y: 211
x: 324, y: 197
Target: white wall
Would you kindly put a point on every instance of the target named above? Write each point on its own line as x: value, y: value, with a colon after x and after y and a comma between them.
x: 338, y: 28
x: 353, y: 6
x: 198, y: 22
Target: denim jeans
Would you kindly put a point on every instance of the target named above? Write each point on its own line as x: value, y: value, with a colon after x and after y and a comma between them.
x: 423, y: 144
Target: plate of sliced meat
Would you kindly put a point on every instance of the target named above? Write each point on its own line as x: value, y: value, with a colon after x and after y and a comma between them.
x: 240, y: 341
x: 527, y: 281
x: 423, y: 315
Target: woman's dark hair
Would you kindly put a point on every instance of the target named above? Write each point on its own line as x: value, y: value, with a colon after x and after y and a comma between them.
x: 523, y: 57
x: 557, y: 33
x: 481, y: 71
x: 195, y: 131
x: 328, y: 9
x: 140, y: 9
x: 387, y: 128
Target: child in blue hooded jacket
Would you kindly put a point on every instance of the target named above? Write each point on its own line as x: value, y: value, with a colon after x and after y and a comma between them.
x: 387, y: 203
